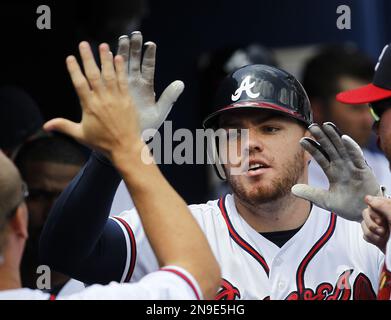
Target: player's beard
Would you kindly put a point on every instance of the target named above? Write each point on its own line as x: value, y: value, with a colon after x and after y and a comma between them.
x: 275, y: 189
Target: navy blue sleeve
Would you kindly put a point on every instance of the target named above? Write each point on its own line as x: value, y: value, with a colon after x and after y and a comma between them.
x: 78, y: 238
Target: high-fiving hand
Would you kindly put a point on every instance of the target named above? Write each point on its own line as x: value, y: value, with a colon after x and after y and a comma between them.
x: 141, y: 72
x: 109, y: 118
x: 350, y: 178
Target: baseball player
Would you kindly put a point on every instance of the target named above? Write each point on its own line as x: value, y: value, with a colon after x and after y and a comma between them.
x: 377, y: 217
x: 269, y: 243
x: 109, y: 124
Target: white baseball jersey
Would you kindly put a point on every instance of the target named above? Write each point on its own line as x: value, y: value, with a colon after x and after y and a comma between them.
x: 168, y: 283
x: 122, y: 200
x: 71, y: 287
x: 326, y: 259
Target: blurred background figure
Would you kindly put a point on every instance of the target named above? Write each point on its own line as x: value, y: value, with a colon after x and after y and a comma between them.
x: 47, y: 165
x: 109, y: 20
x: 20, y: 119
x: 332, y: 69
x: 213, y: 67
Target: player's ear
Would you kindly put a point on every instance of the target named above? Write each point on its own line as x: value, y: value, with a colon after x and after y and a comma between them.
x: 19, y: 223
x: 308, y: 134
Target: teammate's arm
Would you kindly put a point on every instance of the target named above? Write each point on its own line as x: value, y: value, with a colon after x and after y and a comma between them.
x: 78, y: 238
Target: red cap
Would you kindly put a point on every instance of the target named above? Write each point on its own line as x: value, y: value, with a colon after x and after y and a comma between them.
x: 365, y: 94
x: 379, y: 89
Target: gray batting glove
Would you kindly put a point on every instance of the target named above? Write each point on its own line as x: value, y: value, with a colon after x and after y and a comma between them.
x: 350, y: 177
x: 141, y: 71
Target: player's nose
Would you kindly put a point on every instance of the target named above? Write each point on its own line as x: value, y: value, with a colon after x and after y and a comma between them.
x: 255, y: 142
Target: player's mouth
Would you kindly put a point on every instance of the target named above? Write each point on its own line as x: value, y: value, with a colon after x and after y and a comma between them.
x: 256, y: 168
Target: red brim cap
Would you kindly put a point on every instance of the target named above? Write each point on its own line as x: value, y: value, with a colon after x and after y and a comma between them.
x: 366, y: 94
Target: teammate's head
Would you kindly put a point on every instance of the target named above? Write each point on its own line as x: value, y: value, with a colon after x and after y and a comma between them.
x: 333, y: 69
x: 47, y: 165
x: 383, y: 127
x: 273, y: 106
x: 13, y: 212
x: 378, y: 95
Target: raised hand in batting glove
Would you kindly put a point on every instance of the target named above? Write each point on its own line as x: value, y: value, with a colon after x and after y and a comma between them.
x: 350, y: 178
x: 141, y: 70
x: 109, y: 118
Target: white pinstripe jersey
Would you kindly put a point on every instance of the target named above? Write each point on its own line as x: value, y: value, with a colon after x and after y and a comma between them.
x: 169, y: 283
x: 326, y: 259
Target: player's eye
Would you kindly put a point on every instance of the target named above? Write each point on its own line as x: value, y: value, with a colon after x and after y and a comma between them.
x: 270, y: 129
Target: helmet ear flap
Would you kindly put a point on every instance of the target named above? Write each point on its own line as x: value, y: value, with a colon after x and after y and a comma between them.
x: 213, y: 156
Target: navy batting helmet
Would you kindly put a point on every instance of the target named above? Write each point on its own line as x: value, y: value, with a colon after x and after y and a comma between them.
x: 261, y: 87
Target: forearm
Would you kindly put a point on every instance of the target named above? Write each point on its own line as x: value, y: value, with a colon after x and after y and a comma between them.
x: 171, y: 229
x: 77, y: 220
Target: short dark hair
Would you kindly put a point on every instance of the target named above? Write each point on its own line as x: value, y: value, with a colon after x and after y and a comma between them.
x: 322, y: 71
x: 55, y: 148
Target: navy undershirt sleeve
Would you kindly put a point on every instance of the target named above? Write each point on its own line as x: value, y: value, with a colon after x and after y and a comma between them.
x: 78, y: 238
